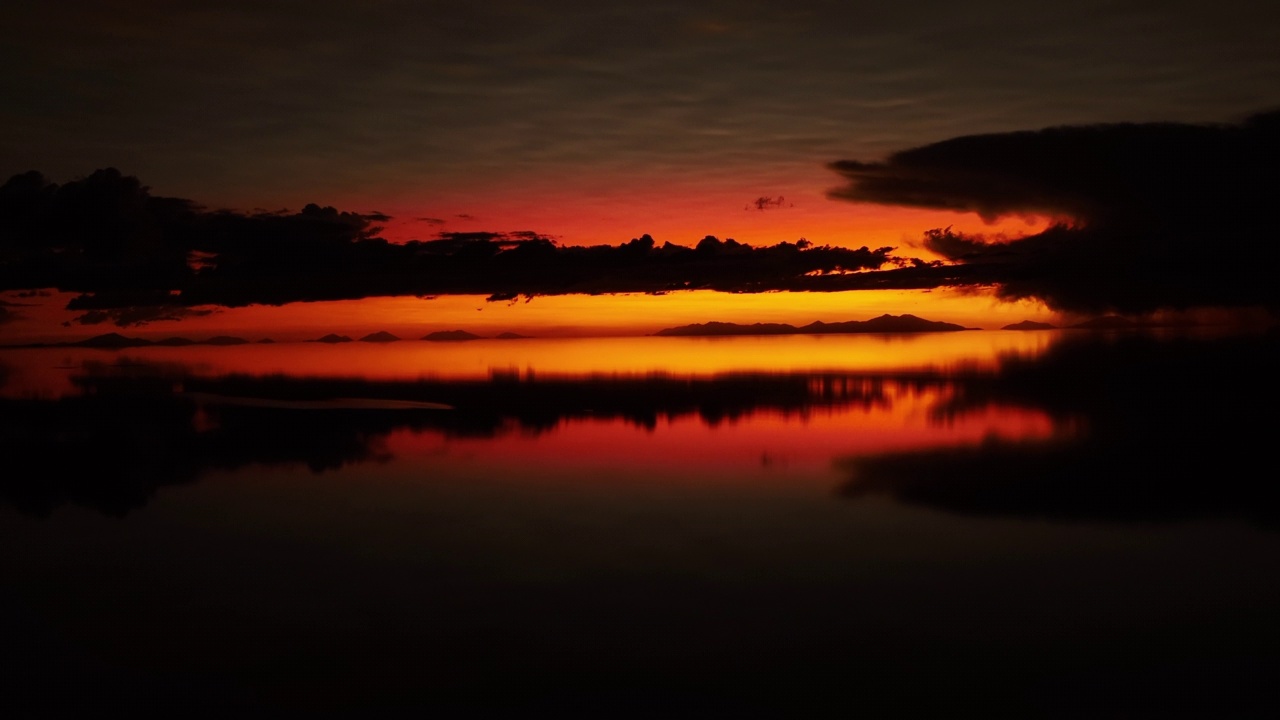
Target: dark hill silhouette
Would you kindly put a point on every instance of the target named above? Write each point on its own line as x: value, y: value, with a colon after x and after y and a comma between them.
x: 379, y: 337
x: 724, y: 328
x: 886, y: 323
x: 510, y: 336
x: 333, y: 338
x: 112, y: 340
x: 1030, y: 325
x: 882, y: 324
x: 450, y: 336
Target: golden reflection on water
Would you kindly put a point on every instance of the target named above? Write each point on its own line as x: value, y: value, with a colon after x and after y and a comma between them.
x: 46, y: 372
x: 739, y: 410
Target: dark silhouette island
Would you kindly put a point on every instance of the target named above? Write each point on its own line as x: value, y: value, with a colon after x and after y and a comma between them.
x: 333, y: 338
x: 379, y: 337
x: 226, y: 340
x: 450, y: 336
x: 882, y: 324
x: 111, y: 340
x: 1030, y: 325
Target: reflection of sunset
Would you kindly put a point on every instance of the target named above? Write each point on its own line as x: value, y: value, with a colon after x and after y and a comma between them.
x: 431, y: 359
x: 558, y: 315
x: 766, y: 447
x: 46, y: 372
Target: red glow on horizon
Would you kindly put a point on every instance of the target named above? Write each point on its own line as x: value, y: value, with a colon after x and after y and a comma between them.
x: 605, y: 213
x: 763, y: 449
x: 543, y: 316
x: 48, y: 372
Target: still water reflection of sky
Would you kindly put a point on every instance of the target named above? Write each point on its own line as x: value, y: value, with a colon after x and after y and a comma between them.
x: 1037, y: 523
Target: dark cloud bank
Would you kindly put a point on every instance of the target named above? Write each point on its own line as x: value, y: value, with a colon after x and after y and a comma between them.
x: 136, y: 257
x: 1163, y: 216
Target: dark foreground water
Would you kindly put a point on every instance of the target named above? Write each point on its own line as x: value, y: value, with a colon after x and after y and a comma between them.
x: 1039, y: 525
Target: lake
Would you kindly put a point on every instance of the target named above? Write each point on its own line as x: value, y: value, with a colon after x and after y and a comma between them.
x: 1053, y: 523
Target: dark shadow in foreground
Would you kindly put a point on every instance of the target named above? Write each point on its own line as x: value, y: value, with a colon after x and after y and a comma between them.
x: 906, y: 618
x: 1170, y: 429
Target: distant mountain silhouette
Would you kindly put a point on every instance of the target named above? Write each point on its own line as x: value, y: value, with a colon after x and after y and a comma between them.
x: 1030, y: 325
x: 112, y: 340
x: 333, y: 338
x: 882, y: 324
x: 724, y: 328
x: 510, y: 336
x: 379, y: 337
x: 226, y: 340
x: 450, y: 335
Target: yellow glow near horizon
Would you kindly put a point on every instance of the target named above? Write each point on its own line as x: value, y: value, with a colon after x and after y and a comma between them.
x: 547, y: 316
x: 47, y: 372
x: 574, y: 315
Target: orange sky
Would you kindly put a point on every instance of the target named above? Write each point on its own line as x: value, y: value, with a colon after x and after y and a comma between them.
x: 549, y: 316
x: 606, y: 211
x: 671, y: 213
x: 504, y: 117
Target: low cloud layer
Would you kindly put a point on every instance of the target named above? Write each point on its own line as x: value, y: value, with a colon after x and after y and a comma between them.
x: 134, y: 257
x: 1156, y: 216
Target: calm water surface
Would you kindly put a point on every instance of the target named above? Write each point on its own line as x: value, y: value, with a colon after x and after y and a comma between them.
x: 1031, y: 524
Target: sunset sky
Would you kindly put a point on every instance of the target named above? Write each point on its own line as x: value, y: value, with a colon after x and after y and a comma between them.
x: 595, y: 123
x: 1033, y: 489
